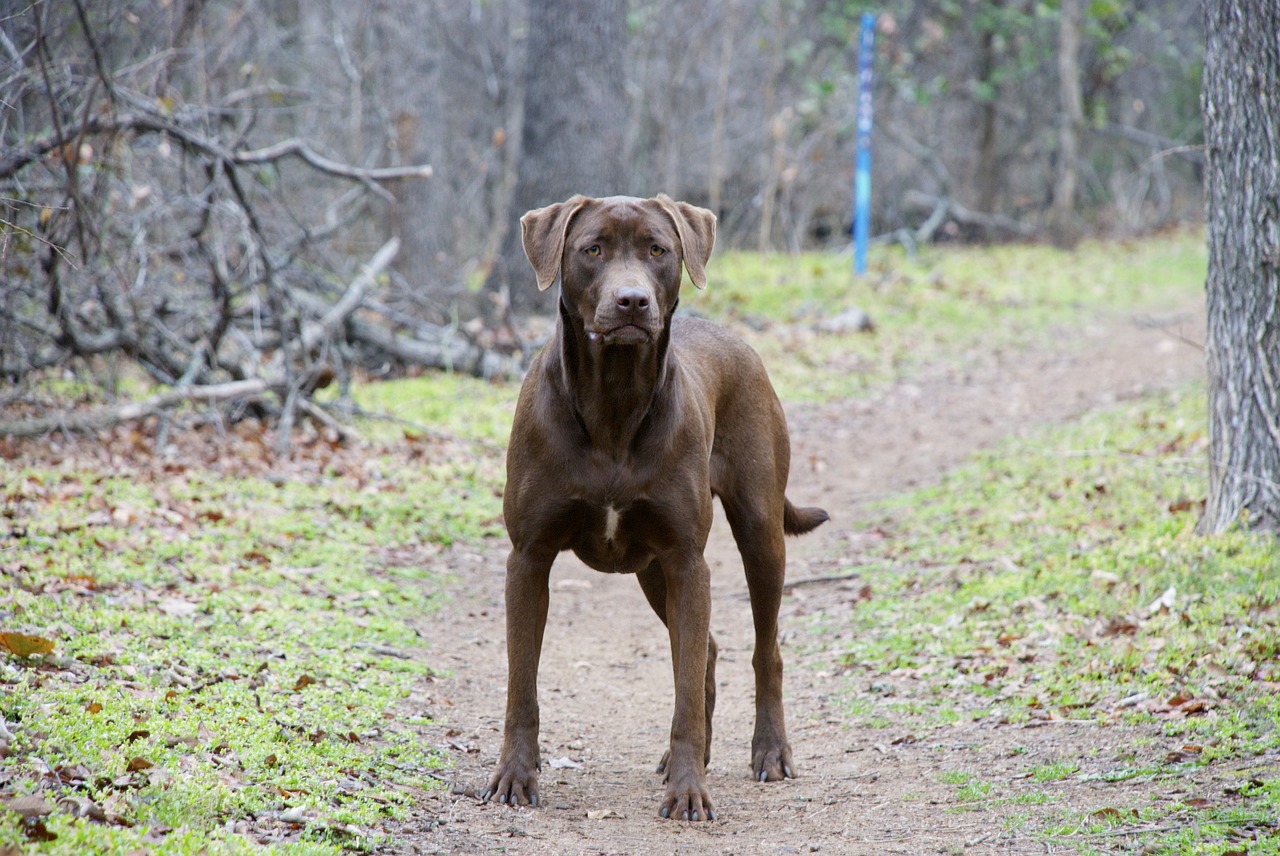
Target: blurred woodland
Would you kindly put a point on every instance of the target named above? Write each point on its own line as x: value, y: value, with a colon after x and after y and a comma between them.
x: 250, y: 198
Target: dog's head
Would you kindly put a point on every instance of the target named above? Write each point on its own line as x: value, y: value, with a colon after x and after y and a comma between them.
x: 619, y: 260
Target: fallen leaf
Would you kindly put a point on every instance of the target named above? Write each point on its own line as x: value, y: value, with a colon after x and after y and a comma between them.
x: 1121, y: 625
x: 303, y: 682
x: 297, y: 814
x: 178, y: 608
x: 24, y: 645
x: 1165, y: 602
x: 37, y: 831
x: 138, y: 764
x: 93, y: 707
x: 78, y: 806
x: 603, y: 814
x: 28, y: 805
x: 565, y: 764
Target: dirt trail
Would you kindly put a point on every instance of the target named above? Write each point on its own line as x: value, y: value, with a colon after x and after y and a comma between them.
x: 605, y: 680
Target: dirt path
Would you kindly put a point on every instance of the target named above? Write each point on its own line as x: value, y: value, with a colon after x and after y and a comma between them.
x: 605, y: 680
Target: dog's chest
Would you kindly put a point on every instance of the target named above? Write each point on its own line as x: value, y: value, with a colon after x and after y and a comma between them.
x: 612, y: 517
x: 613, y: 537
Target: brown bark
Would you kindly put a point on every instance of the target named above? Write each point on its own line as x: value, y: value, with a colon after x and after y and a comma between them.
x: 575, y: 115
x: 1241, y: 104
x: 988, y: 175
x: 1063, y: 223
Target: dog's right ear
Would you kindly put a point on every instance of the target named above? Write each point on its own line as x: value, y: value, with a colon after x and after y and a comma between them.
x: 543, y: 232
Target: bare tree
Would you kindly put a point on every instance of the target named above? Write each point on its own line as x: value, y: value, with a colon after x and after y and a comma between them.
x: 575, y: 113
x: 1242, y: 132
x: 142, y: 223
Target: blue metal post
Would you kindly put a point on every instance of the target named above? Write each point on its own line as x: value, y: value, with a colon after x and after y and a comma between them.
x: 862, y: 171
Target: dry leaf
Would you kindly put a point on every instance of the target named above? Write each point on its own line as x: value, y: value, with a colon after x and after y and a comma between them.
x: 1165, y: 602
x: 24, y: 645
x: 565, y: 764
x: 78, y: 806
x: 178, y: 608
x: 28, y: 805
x: 303, y: 682
x: 603, y: 814
x: 138, y: 764
x: 37, y: 831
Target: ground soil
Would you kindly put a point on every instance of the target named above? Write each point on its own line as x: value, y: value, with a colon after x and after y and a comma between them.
x: 606, y: 685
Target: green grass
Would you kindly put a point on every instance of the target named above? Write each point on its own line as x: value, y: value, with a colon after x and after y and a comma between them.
x: 930, y: 310
x: 1060, y: 577
x: 459, y: 405
x: 228, y: 648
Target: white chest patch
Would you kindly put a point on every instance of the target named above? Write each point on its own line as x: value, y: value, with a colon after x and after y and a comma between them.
x: 610, y: 522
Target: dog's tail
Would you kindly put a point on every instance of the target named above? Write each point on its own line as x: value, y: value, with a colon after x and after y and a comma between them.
x: 797, y: 521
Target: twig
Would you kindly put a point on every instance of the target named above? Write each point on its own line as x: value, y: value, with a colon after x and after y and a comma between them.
x: 809, y: 581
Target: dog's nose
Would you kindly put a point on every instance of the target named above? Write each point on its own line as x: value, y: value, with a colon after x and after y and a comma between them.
x: 632, y: 299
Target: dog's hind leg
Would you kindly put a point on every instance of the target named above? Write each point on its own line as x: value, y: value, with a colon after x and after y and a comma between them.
x: 759, y: 534
x: 654, y: 586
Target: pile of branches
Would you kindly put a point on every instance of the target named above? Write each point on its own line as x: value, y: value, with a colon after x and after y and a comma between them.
x: 142, y: 228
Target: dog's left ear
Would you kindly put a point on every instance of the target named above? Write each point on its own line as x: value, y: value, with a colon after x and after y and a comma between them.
x: 696, y: 228
x: 542, y: 231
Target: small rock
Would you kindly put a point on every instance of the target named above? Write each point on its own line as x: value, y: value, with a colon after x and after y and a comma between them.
x: 850, y: 321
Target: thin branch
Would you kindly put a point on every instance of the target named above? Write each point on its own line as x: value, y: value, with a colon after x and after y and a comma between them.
x: 16, y: 159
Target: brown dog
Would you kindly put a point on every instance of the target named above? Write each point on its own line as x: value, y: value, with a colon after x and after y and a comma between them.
x: 627, y: 424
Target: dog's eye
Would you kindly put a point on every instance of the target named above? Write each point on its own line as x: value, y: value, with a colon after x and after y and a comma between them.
x: 656, y: 251
x: 593, y: 250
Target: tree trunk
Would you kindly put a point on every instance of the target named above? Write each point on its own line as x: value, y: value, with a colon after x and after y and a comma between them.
x: 988, y: 175
x: 1241, y: 104
x: 1064, y: 225
x: 575, y: 117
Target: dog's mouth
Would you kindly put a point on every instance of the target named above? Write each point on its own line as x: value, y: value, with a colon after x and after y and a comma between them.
x: 625, y: 334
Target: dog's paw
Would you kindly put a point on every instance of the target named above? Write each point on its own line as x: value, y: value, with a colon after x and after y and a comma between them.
x: 772, y: 763
x: 666, y: 759
x: 513, y: 784
x: 689, y: 802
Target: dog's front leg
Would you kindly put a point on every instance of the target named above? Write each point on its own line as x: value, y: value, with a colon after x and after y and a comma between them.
x: 689, y: 624
x: 515, y: 781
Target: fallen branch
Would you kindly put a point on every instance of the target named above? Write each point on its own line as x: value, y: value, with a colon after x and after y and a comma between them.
x: 967, y: 216
x: 432, y: 345
x: 96, y: 420
x: 314, y: 332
